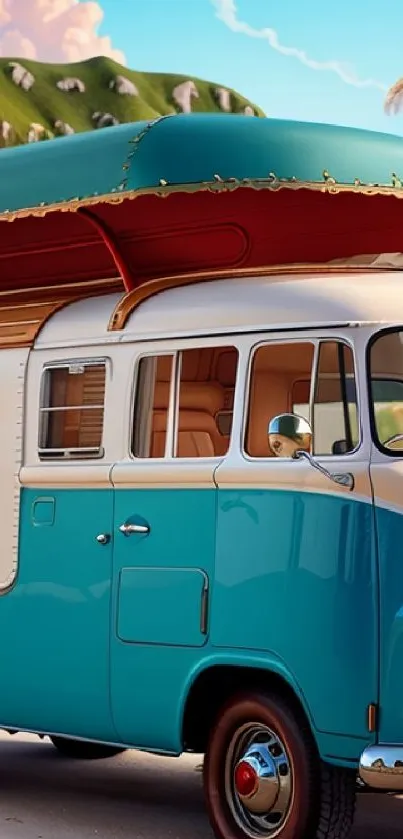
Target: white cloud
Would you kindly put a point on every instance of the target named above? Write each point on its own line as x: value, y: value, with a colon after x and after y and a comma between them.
x: 53, y: 30
x: 226, y: 11
x: 4, y: 15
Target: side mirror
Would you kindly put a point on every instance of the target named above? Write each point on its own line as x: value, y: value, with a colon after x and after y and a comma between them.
x: 289, y: 434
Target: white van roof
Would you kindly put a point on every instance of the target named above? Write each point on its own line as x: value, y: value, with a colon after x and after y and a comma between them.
x: 237, y: 304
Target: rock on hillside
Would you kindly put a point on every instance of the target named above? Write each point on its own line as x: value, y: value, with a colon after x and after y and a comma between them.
x: 69, y: 98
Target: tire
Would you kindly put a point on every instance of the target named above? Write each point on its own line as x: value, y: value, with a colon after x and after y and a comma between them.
x: 81, y: 750
x: 301, y: 799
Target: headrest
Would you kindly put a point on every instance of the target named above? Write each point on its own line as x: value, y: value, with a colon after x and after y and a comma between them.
x: 195, y: 396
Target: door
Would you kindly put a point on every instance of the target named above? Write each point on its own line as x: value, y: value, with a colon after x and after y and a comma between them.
x: 165, y: 524
x: 295, y: 559
x: 55, y: 665
x: 386, y: 411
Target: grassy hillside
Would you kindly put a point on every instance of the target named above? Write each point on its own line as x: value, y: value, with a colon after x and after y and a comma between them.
x: 44, y: 103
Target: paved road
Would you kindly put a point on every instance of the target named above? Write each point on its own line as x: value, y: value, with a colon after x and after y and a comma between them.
x: 44, y: 796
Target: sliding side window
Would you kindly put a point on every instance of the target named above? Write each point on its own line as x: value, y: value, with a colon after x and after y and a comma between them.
x: 335, y: 411
x: 314, y: 381
x: 386, y: 376
x: 72, y: 410
x: 277, y: 368
x: 184, y: 403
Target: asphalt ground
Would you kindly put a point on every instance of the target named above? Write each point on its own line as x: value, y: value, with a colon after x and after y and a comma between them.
x: 133, y: 796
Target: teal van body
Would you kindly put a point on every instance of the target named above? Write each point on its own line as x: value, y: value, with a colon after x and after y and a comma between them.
x: 202, y: 437
x: 107, y: 640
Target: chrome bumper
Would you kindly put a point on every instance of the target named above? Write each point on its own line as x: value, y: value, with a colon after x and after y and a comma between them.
x: 381, y: 767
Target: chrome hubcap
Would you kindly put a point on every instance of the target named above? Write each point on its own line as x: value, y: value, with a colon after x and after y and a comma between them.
x: 258, y: 781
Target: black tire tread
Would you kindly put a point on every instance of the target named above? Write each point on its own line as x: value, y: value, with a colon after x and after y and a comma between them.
x: 337, y: 803
x: 337, y: 794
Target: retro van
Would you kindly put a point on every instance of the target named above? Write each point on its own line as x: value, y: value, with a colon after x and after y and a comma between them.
x: 202, y: 459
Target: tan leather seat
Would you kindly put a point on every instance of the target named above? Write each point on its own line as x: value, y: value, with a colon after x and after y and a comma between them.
x: 269, y: 396
x: 198, y: 435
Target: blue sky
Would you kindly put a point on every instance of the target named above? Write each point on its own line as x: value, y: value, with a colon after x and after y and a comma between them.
x: 363, y: 38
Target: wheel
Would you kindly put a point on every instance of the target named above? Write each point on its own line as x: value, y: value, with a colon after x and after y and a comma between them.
x: 263, y: 778
x: 80, y: 750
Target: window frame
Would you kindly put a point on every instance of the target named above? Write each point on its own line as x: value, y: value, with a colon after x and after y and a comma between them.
x: 169, y: 440
x: 380, y: 333
x: 316, y: 342
x: 62, y: 455
x: 173, y: 407
x: 334, y: 377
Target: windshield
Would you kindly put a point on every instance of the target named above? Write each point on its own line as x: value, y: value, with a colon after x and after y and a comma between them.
x: 386, y: 378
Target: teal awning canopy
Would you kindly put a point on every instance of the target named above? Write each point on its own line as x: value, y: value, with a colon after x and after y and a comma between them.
x: 191, y: 151
x: 241, y: 193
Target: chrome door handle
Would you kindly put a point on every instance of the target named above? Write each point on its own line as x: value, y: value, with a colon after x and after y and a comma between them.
x: 128, y: 529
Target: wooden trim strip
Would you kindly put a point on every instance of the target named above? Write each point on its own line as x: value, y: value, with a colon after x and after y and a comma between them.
x: 24, y: 312
x: 19, y: 325
x: 90, y: 288
x: 133, y: 299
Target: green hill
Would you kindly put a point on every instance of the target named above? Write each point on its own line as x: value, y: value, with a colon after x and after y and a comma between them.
x: 44, y: 102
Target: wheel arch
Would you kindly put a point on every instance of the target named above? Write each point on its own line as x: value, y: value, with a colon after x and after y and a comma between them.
x: 213, y: 684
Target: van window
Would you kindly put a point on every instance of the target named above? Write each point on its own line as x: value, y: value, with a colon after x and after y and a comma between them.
x: 282, y: 382
x: 386, y: 372
x: 334, y: 413
x: 275, y: 370
x: 154, y: 382
x: 72, y: 410
x: 184, y: 403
